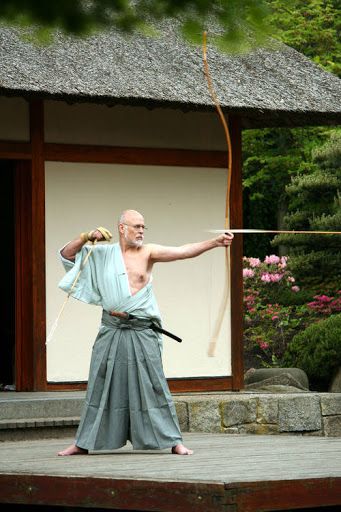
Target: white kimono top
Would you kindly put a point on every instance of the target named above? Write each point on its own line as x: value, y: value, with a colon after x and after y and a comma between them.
x: 104, y: 282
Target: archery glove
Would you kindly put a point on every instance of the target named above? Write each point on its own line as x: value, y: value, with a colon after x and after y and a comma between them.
x: 86, y: 237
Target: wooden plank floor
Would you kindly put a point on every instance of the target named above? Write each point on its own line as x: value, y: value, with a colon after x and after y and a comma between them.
x: 227, y: 472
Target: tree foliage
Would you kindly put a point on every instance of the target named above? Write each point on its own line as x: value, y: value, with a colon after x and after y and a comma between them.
x: 314, y: 203
x: 317, y: 350
x: 272, y: 157
x: 236, y: 25
x: 312, y: 27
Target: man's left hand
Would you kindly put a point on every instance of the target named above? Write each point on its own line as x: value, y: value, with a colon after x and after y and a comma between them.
x: 225, y: 239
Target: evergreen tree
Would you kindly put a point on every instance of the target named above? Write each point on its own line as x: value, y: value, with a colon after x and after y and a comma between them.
x: 270, y: 158
x: 314, y: 203
x: 312, y: 27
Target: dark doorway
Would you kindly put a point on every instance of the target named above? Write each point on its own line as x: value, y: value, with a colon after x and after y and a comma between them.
x: 7, y: 262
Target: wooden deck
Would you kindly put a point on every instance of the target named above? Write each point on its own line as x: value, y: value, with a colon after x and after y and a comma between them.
x: 230, y: 473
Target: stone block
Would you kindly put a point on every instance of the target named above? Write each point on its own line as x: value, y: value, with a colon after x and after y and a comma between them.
x: 238, y: 411
x: 332, y: 426
x: 313, y: 433
x: 294, y: 376
x: 267, y: 410
x: 299, y: 413
x: 331, y: 404
x: 257, y: 428
x: 182, y: 413
x: 204, y: 416
x: 40, y: 408
x: 231, y: 430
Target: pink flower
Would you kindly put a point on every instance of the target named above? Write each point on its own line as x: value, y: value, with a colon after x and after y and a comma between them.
x: 283, y: 262
x: 250, y: 298
x: 254, y: 262
x: 275, y: 277
x: 323, y: 298
x: 272, y: 259
x: 264, y: 345
x: 291, y: 279
x: 295, y: 289
x: 275, y: 317
x: 247, y: 272
x: 265, y: 277
x: 336, y: 305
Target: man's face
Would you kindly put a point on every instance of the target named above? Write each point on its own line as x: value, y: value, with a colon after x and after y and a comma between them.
x: 133, y: 230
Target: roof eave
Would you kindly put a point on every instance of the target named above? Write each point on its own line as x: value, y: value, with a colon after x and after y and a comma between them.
x: 250, y: 117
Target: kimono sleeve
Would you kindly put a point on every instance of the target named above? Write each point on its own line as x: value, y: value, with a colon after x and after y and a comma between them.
x: 81, y: 280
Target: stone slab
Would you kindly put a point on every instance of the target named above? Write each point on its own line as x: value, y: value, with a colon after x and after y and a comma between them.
x: 332, y: 426
x: 300, y: 413
x: 238, y: 410
x: 331, y: 404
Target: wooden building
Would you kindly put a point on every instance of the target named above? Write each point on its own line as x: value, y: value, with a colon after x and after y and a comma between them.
x: 91, y: 127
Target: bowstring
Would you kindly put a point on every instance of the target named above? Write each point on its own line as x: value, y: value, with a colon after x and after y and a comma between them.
x: 55, y: 323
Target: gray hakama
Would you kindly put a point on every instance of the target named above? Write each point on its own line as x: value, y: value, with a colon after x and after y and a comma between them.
x: 127, y: 395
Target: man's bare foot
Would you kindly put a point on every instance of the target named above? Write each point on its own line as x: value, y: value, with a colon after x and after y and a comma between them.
x: 73, y: 450
x: 180, y: 449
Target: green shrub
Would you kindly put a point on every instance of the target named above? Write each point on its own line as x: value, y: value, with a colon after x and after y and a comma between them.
x: 317, y: 351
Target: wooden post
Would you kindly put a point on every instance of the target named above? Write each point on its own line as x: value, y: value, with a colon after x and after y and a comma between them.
x: 24, y: 355
x: 236, y: 221
x: 38, y: 245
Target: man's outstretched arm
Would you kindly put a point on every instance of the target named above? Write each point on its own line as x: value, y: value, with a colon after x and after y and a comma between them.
x: 164, y: 253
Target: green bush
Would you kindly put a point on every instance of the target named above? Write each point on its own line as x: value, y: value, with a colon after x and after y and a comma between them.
x: 317, y: 351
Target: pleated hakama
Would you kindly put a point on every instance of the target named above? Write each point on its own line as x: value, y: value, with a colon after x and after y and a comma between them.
x: 127, y: 398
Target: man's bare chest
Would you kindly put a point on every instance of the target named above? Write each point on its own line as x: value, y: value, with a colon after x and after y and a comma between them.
x: 137, y: 270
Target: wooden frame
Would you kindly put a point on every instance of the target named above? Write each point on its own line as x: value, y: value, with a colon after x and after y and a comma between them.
x: 165, y: 496
x: 31, y: 334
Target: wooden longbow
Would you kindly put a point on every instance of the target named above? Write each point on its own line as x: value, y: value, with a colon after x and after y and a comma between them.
x: 224, y: 302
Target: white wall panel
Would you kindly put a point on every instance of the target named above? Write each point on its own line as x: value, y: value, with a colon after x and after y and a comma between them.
x: 179, y: 204
x: 87, y: 123
x: 14, y: 119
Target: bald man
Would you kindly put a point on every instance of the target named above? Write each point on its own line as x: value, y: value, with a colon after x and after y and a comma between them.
x: 127, y: 398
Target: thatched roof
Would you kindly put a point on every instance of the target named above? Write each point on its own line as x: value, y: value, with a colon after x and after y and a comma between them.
x: 269, y: 88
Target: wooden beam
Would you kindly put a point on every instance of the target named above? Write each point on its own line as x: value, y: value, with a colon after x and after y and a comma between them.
x: 38, y: 244
x: 15, y: 150
x: 169, y: 496
x: 285, y: 494
x: 200, y: 384
x: 133, y: 156
x: 184, y: 385
x: 144, y: 495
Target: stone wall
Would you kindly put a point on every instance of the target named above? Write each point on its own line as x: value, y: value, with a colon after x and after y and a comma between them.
x: 56, y: 414
x: 317, y: 414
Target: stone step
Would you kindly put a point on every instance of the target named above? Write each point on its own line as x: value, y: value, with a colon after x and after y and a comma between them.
x: 38, y: 422
x: 17, y: 406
